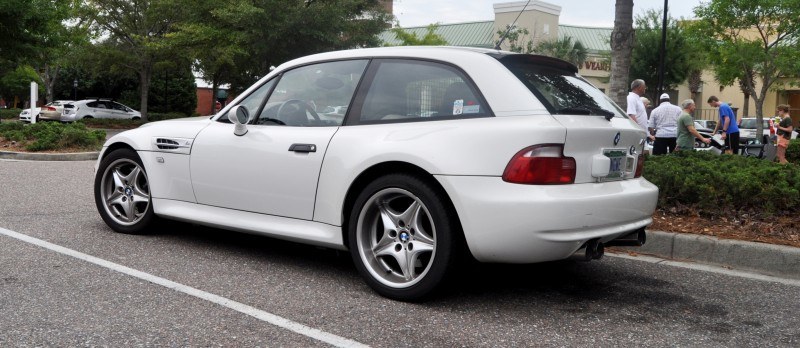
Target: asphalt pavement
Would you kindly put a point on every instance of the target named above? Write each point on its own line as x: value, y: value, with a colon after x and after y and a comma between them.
x: 132, y: 290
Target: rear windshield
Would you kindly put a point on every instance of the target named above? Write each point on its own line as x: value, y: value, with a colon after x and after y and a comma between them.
x: 559, y: 87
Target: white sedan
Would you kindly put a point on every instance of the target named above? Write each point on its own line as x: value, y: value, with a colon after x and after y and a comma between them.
x: 517, y: 159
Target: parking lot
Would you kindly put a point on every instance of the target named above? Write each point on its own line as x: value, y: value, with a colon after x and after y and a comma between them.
x: 67, y: 280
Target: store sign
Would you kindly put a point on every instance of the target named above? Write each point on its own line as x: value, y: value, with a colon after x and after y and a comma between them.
x: 595, y: 65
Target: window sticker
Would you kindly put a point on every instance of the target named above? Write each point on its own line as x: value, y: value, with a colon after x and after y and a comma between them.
x: 472, y: 109
x: 458, y: 107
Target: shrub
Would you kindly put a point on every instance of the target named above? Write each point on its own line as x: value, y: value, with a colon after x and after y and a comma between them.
x: 44, y: 136
x: 8, y: 114
x: 724, y: 185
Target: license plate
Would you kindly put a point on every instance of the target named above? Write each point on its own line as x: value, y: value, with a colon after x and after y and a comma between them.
x: 618, y: 163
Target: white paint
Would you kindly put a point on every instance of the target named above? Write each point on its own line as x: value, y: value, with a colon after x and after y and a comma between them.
x: 270, y: 318
x: 708, y: 268
x: 34, y: 99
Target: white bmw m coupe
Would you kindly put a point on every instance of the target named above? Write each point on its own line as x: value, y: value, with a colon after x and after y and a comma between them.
x: 443, y: 154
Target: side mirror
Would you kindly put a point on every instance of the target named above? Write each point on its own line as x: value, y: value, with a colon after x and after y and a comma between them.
x: 239, y: 116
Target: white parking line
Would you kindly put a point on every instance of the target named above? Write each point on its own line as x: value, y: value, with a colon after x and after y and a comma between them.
x: 270, y: 318
x: 707, y: 268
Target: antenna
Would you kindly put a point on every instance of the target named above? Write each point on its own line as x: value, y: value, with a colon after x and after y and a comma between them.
x: 513, y: 24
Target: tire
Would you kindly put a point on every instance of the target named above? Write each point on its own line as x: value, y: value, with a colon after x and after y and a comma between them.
x: 423, y: 232
x: 122, y: 193
x: 136, y: 119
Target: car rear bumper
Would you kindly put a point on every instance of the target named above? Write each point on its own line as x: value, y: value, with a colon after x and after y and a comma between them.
x: 513, y: 223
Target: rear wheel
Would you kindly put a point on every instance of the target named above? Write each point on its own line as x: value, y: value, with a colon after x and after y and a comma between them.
x: 403, y: 238
x: 122, y: 192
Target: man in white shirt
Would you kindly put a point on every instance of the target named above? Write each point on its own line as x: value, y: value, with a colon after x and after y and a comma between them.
x: 664, y: 122
x: 636, y: 110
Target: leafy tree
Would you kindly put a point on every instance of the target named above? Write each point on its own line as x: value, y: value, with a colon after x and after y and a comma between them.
x: 411, y: 39
x: 622, y: 38
x: 758, y: 37
x: 65, y: 37
x: 516, y: 39
x: 17, y: 83
x: 137, y: 34
x: 564, y: 48
x: 237, y: 41
x: 21, y: 29
x: 680, y: 55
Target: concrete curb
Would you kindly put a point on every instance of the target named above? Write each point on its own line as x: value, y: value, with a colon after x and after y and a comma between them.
x: 33, y: 156
x: 774, y: 260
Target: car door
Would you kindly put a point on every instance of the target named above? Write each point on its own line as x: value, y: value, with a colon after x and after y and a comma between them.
x: 274, y: 168
x: 118, y: 110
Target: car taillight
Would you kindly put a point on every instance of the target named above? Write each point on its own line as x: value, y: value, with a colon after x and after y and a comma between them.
x: 50, y: 108
x: 541, y: 165
x: 639, y: 166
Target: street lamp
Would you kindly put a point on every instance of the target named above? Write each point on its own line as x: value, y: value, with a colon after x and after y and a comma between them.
x: 75, y: 89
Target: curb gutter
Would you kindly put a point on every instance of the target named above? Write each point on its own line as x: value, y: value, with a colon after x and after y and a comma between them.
x: 768, y: 259
x: 33, y: 156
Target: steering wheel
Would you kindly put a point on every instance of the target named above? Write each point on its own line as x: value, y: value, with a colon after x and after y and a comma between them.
x: 301, y: 104
x: 263, y: 120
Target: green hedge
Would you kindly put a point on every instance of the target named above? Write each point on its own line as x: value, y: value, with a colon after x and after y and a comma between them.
x: 46, y: 136
x: 726, y: 185
x: 8, y: 114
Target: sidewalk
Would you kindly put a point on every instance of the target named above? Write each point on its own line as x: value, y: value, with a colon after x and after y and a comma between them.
x: 767, y: 259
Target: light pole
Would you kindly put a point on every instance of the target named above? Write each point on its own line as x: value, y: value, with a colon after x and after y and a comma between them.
x: 75, y: 89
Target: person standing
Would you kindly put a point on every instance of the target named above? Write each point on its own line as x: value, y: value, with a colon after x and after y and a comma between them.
x: 784, y: 132
x: 636, y: 109
x: 727, y: 120
x: 664, y: 124
x: 685, y: 128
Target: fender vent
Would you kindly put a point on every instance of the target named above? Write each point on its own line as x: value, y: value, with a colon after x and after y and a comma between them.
x: 167, y: 144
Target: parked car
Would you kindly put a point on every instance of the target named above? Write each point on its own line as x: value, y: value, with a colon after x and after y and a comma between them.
x: 524, y: 162
x: 747, y: 129
x: 52, y: 111
x: 707, y: 124
x: 25, y: 115
x: 98, y: 108
x: 705, y: 132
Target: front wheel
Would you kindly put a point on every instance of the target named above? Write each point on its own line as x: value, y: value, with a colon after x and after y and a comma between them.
x: 122, y: 192
x: 402, y: 237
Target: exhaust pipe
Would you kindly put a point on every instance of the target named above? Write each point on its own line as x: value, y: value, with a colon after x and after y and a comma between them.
x: 592, y: 250
x: 635, y: 238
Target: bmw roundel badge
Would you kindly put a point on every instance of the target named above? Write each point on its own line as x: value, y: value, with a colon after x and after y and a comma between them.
x: 616, y: 138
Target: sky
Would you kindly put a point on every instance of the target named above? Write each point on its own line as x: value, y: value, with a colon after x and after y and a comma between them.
x: 590, y: 13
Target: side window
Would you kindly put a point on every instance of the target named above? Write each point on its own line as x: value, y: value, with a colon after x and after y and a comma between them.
x: 92, y: 104
x: 253, y: 101
x: 314, y: 95
x: 418, y: 90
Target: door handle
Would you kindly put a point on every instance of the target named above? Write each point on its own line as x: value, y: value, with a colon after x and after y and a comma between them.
x: 303, y: 148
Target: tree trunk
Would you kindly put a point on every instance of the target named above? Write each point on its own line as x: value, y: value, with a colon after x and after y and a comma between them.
x: 695, y: 82
x: 621, y: 48
x: 49, y: 80
x: 145, y: 75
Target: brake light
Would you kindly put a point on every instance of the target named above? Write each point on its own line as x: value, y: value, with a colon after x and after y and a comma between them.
x: 639, y: 166
x: 541, y: 165
x: 50, y: 108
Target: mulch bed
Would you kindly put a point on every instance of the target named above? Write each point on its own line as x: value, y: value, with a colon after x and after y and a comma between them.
x: 782, y: 230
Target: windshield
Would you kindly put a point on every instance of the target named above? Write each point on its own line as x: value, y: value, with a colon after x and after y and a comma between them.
x: 750, y: 123
x: 562, y: 91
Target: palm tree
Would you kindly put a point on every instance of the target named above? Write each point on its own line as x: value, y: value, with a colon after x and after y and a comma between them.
x: 621, y: 48
x: 564, y: 48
